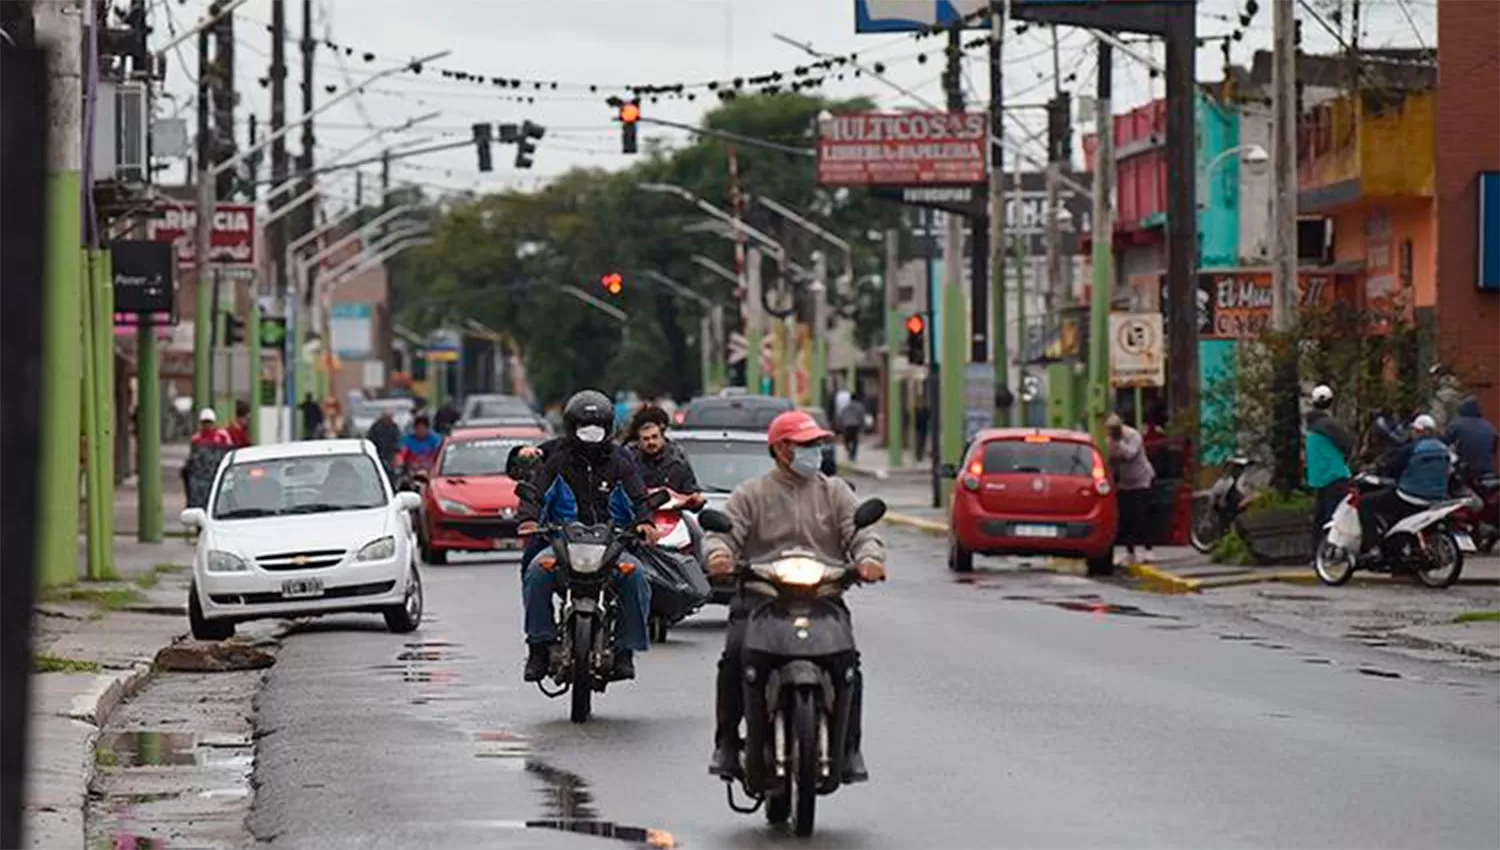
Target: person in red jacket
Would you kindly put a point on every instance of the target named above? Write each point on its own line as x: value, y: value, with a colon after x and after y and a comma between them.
x: 239, y: 429
x: 209, y: 433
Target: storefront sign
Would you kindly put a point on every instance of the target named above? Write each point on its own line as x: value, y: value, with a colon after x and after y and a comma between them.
x: 1237, y: 305
x: 903, y: 149
x: 231, y: 239
x: 143, y: 277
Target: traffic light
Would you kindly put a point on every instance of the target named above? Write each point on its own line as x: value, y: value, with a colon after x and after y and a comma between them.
x: 630, y: 113
x: 234, y: 330
x: 916, y: 339
x: 482, y: 145
x: 613, y: 283
x: 525, y: 147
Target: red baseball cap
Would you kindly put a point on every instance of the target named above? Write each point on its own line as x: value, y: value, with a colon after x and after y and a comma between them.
x: 797, y: 427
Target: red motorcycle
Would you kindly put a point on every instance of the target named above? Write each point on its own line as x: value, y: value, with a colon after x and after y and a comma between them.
x: 1481, y: 515
x: 679, y: 583
x: 413, y: 470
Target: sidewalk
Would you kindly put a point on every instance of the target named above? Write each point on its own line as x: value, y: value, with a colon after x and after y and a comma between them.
x: 873, y: 462
x: 173, y: 456
x: 93, y: 645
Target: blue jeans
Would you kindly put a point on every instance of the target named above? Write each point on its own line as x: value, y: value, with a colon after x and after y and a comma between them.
x: 631, y: 586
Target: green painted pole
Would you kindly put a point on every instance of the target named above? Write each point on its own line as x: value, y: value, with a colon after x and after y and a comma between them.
x: 1103, y: 251
x: 1002, y: 326
x: 1018, y: 407
x: 297, y: 367
x: 148, y: 435
x: 895, y: 442
x: 953, y: 377
x: 92, y: 433
x: 105, y: 333
x: 252, y: 339
x: 752, y: 359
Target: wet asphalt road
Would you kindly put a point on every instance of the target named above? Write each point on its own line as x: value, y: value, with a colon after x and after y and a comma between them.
x: 1002, y: 712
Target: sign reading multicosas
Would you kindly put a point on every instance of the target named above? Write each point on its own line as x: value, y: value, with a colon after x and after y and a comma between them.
x: 902, y: 149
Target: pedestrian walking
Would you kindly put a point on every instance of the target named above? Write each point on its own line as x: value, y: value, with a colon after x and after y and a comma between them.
x: 334, y: 424
x: 922, y: 422
x: 1329, y: 445
x: 207, y: 447
x: 851, y: 423
x: 239, y: 429
x: 312, y: 417
x: 1134, y: 476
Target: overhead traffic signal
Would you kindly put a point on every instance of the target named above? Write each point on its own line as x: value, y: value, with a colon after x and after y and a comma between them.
x: 630, y: 114
x: 234, y: 330
x: 916, y: 339
x: 525, y: 147
x: 613, y: 283
x: 482, y: 146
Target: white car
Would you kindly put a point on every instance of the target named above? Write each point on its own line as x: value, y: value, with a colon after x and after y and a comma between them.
x: 302, y: 529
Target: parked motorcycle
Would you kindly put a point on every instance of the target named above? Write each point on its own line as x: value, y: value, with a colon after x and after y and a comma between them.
x: 1426, y: 544
x: 799, y: 646
x: 679, y: 585
x: 1480, y: 515
x: 587, y: 557
x: 1215, y: 515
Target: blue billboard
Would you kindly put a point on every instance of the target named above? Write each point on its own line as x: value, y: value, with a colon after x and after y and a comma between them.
x: 875, y: 16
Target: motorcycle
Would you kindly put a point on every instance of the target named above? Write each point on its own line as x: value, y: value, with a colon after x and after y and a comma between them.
x: 1226, y: 500
x: 414, y: 472
x: 1426, y: 543
x: 1481, y: 515
x: 587, y: 557
x: 799, y: 645
x: 679, y: 586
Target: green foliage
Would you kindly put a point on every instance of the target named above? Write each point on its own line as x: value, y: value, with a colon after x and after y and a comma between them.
x: 103, y: 597
x: 1478, y: 617
x: 44, y: 663
x: 1232, y: 550
x: 503, y: 259
x: 1282, y: 500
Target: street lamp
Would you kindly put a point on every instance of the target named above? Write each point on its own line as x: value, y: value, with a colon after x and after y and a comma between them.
x: 1252, y: 155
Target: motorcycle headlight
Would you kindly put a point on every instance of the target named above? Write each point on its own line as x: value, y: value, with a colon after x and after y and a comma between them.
x: 225, y: 562
x: 377, y: 550
x: 1474, y: 503
x: 449, y: 506
x: 800, y: 572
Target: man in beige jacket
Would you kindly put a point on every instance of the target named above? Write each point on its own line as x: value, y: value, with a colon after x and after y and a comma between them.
x: 793, y: 506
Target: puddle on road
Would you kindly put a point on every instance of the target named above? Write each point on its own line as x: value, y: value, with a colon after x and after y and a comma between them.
x: 1317, y: 661
x: 1086, y: 607
x: 1379, y: 673
x: 569, y: 806
x: 147, y: 748
x: 1235, y: 636
x: 502, y: 744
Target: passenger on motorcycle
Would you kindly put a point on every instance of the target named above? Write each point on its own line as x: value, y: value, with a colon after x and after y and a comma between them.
x: 793, y: 505
x: 662, y: 462
x: 1421, y: 470
x: 583, y: 477
x: 1329, y: 446
x: 419, y: 449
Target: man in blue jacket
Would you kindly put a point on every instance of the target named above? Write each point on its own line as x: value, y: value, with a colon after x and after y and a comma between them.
x: 1329, y: 445
x: 1474, y: 438
x: 1421, y: 470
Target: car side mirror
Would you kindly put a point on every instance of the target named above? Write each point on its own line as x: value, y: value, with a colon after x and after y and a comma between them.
x: 408, y: 501
x: 950, y: 470
x: 869, y: 512
x: 193, y: 518
x: 527, y: 491
x: 657, y: 499
x: 719, y: 522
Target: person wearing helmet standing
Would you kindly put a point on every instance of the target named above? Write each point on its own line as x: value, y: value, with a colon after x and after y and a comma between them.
x: 1329, y: 446
x: 583, y: 476
x: 1421, y: 471
x: 793, y: 506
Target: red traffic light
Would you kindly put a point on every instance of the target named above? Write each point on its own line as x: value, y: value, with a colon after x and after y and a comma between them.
x: 613, y: 283
x: 630, y: 113
x: 915, y: 323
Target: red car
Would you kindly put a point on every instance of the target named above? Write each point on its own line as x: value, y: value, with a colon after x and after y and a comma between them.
x: 1024, y: 491
x: 469, y: 503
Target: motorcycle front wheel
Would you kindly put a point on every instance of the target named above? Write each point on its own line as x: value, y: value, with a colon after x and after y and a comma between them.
x: 804, y: 772
x: 582, y: 686
x: 1207, y: 529
x: 1446, y: 561
x: 1334, y: 566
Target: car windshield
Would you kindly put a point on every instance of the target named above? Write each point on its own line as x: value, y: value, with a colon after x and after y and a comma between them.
x: 1054, y: 457
x: 722, y: 465
x: 496, y: 408
x: 734, y: 417
x: 299, y: 485
x: 478, y: 457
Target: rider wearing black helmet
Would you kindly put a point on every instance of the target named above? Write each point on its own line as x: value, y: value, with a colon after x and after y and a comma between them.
x: 585, y: 477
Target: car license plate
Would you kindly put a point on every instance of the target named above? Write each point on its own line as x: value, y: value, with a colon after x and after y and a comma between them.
x: 505, y: 543
x: 301, y: 588
x: 1465, y: 542
x: 1036, y: 531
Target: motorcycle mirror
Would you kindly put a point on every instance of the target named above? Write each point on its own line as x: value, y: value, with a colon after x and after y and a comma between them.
x: 657, y: 499
x: 717, y: 521
x: 868, y: 513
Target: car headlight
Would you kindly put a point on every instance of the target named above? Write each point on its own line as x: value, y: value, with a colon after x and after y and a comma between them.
x: 225, y: 562
x: 378, y: 550
x: 448, y: 506
x: 801, y: 572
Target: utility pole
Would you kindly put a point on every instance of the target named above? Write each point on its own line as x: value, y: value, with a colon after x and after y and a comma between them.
x: 1103, y: 240
x: 252, y: 323
x: 224, y: 100
x: 279, y: 164
x: 818, y: 338
x: 1284, y: 431
x: 304, y: 218
x: 385, y: 180
x: 203, y: 308
x: 1017, y: 411
x: 951, y: 370
x: 895, y: 446
x: 998, y: 20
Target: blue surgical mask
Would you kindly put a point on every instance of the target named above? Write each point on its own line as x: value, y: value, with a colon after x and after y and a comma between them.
x: 807, y: 461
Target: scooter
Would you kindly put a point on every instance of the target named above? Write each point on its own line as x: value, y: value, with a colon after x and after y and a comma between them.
x: 679, y: 585
x: 1425, y: 544
x: 1481, y: 515
x: 587, y: 557
x: 1226, y: 500
x: 799, y: 646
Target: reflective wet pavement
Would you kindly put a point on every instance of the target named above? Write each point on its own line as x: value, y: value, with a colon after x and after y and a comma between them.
x: 1042, y: 711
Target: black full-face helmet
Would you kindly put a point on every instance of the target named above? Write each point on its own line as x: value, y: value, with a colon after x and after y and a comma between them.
x: 589, y: 419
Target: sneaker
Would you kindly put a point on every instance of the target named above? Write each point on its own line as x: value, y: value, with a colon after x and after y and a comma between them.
x: 538, y: 659
x: 854, y: 769
x: 624, y: 669
x: 726, y: 761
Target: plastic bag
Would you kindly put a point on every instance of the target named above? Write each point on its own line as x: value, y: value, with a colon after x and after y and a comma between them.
x: 1344, y: 530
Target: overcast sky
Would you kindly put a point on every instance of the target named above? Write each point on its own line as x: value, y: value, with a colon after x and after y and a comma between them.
x: 578, y: 43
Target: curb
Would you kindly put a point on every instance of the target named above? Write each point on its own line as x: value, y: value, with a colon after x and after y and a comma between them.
x: 862, y: 471
x: 109, y: 690
x: 1157, y: 580
x: 934, y: 527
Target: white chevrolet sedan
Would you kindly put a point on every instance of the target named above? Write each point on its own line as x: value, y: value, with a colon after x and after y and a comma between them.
x: 302, y: 529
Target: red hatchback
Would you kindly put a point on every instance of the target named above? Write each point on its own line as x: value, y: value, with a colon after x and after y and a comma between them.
x: 469, y: 503
x: 1025, y: 491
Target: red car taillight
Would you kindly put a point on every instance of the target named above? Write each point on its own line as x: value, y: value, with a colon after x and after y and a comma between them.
x: 1100, y: 475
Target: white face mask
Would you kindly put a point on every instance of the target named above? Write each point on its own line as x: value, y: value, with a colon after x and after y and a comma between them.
x: 807, y: 461
x: 591, y: 434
